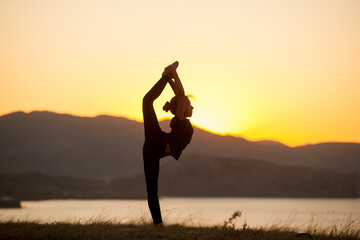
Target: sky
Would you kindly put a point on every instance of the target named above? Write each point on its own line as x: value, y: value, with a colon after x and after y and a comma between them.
x: 284, y: 70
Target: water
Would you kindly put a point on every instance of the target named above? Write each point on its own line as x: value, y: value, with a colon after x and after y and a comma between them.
x: 302, y: 214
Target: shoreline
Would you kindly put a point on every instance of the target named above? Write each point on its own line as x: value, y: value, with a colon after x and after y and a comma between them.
x: 296, y: 214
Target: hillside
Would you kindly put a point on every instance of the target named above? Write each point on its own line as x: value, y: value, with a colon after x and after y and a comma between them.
x: 38, y: 186
x: 199, y: 175
x: 106, y: 147
x: 60, y: 144
x: 194, y: 175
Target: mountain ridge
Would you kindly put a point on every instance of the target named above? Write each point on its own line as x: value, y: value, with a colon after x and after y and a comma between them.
x: 108, y: 146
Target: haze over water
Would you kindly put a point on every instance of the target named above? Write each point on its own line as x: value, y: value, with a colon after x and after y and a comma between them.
x: 302, y: 214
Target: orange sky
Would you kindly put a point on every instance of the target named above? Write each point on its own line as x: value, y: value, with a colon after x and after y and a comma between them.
x: 285, y: 70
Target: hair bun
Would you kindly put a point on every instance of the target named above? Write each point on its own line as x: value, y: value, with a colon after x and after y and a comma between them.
x: 167, y: 106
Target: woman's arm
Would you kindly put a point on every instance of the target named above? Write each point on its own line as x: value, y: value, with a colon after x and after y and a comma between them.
x: 178, y: 89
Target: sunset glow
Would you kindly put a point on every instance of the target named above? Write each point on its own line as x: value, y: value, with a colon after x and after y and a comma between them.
x: 281, y: 70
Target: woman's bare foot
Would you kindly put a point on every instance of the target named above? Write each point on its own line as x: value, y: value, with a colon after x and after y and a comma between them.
x: 175, y: 64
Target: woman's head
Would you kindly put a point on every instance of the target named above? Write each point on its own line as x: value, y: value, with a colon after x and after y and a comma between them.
x: 173, y: 105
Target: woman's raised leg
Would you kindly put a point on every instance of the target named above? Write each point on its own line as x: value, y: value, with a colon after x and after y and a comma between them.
x: 151, y: 124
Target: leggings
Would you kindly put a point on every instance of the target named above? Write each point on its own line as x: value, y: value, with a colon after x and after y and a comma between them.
x: 154, y: 148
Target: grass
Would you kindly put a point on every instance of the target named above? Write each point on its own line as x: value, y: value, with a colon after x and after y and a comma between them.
x: 110, y: 231
x: 104, y: 230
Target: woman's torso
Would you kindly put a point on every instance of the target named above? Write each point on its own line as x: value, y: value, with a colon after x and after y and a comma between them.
x: 179, y: 137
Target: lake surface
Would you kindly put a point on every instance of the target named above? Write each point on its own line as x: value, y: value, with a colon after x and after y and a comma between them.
x: 302, y: 214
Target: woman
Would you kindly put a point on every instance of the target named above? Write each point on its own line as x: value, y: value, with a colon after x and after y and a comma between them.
x: 159, y: 144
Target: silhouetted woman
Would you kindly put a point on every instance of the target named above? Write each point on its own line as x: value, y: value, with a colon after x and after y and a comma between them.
x: 159, y: 144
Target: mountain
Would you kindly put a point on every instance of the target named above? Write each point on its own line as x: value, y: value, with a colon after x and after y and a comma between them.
x: 62, y: 144
x: 195, y: 175
x: 38, y: 186
x: 200, y: 175
x: 341, y: 157
x: 107, y: 147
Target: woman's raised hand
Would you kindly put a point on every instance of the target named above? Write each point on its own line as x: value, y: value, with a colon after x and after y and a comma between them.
x: 171, y: 70
x: 166, y: 72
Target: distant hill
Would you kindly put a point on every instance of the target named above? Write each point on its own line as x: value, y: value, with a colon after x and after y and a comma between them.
x: 38, y: 186
x: 340, y: 157
x: 195, y: 175
x: 107, y: 147
x: 60, y: 144
x: 199, y: 175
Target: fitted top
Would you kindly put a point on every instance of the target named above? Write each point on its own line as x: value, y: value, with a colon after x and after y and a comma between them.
x: 180, y: 136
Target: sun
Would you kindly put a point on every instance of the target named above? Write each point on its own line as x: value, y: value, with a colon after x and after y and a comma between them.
x: 216, y: 122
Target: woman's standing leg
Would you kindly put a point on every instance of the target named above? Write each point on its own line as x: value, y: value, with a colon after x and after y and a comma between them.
x: 151, y: 168
x: 151, y: 154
